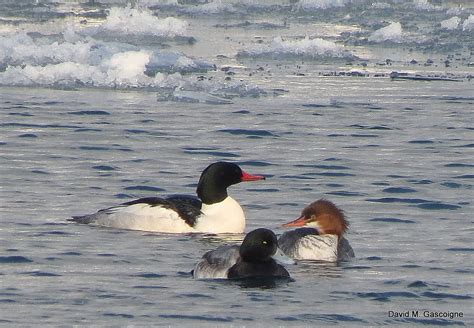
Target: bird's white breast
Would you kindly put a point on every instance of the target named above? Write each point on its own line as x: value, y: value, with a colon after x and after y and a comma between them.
x: 224, y: 217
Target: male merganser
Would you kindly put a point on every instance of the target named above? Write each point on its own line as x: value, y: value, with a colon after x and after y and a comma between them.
x: 322, y: 236
x: 213, y: 212
x: 251, y: 259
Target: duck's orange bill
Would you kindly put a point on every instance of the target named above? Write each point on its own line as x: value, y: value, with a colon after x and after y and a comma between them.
x: 250, y: 177
x: 299, y: 222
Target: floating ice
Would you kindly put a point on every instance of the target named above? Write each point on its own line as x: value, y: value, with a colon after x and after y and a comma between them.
x: 22, y: 49
x: 28, y: 61
x: 392, y: 32
x: 425, y: 5
x: 451, y: 23
x: 320, y: 4
x: 468, y: 24
x: 381, y: 5
x: 127, y: 68
x: 179, y: 89
x: 211, y: 8
x: 313, y: 48
x: 131, y: 21
x: 166, y: 61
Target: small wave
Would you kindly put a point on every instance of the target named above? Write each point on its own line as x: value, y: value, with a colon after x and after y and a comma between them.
x: 346, y: 193
x: 28, y: 135
x: 324, y: 167
x: 391, y: 220
x: 386, y: 295
x: 465, y: 176
x: 399, y: 200
x: 40, y: 172
x: 438, y: 206
x: 250, y: 133
x: 90, y: 112
x: 328, y: 318
x: 446, y: 296
x: 374, y: 258
x: 42, y: 274
x: 196, y: 317
x: 460, y: 249
x: 145, y: 188
x: 94, y: 148
x: 104, y: 168
x: 332, y: 174
x: 214, y: 153
x: 195, y: 295
x: 149, y: 275
x: 459, y: 165
x: 417, y: 284
x: 399, y: 190
x: 425, y: 322
x: 71, y: 253
x: 422, y: 142
x: 119, y: 315
x: 255, y: 163
x: 14, y: 259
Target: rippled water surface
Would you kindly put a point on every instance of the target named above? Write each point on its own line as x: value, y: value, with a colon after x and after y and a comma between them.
x: 395, y: 154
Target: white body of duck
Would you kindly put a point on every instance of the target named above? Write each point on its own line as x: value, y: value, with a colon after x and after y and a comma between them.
x: 213, y: 211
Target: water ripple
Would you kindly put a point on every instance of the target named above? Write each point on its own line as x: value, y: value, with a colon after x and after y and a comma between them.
x: 399, y: 200
x: 14, y: 259
x: 391, y: 220
x: 446, y: 296
x: 196, y: 317
x: 90, y: 112
x: 438, y: 206
x: 145, y: 188
x: 249, y: 133
x: 398, y: 190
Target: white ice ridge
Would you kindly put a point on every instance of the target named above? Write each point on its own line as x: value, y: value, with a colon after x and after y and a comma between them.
x: 306, y: 47
x: 451, y: 23
x: 468, y: 24
x: 425, y: 5
x: 320, y: 4
x: 131, y: 21
x: 84, y: 61
x: 392, y: 32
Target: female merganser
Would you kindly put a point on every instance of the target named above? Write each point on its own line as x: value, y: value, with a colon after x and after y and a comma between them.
x: 322, y: 238
x: 214, y: 211
x: 251, y: 259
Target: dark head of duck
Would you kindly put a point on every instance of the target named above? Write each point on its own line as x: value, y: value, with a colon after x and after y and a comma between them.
x: 217, y: 177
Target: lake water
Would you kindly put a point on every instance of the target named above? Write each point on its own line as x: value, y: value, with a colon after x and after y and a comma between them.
x: 101, y: 104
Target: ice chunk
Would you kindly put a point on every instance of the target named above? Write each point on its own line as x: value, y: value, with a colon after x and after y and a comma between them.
x: 167, y: 61
x: 320, y: 4
x: 468, y: 24
x: 21, y: 49
x: 392, y: 32
x: 306, y: 47
x: 211, y: 8
x: 64, y: 74
x: 127, y: 68
x: 425, y: 5
x: 451, y: 23
x: 194, y: 97
x: 131, y: 21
